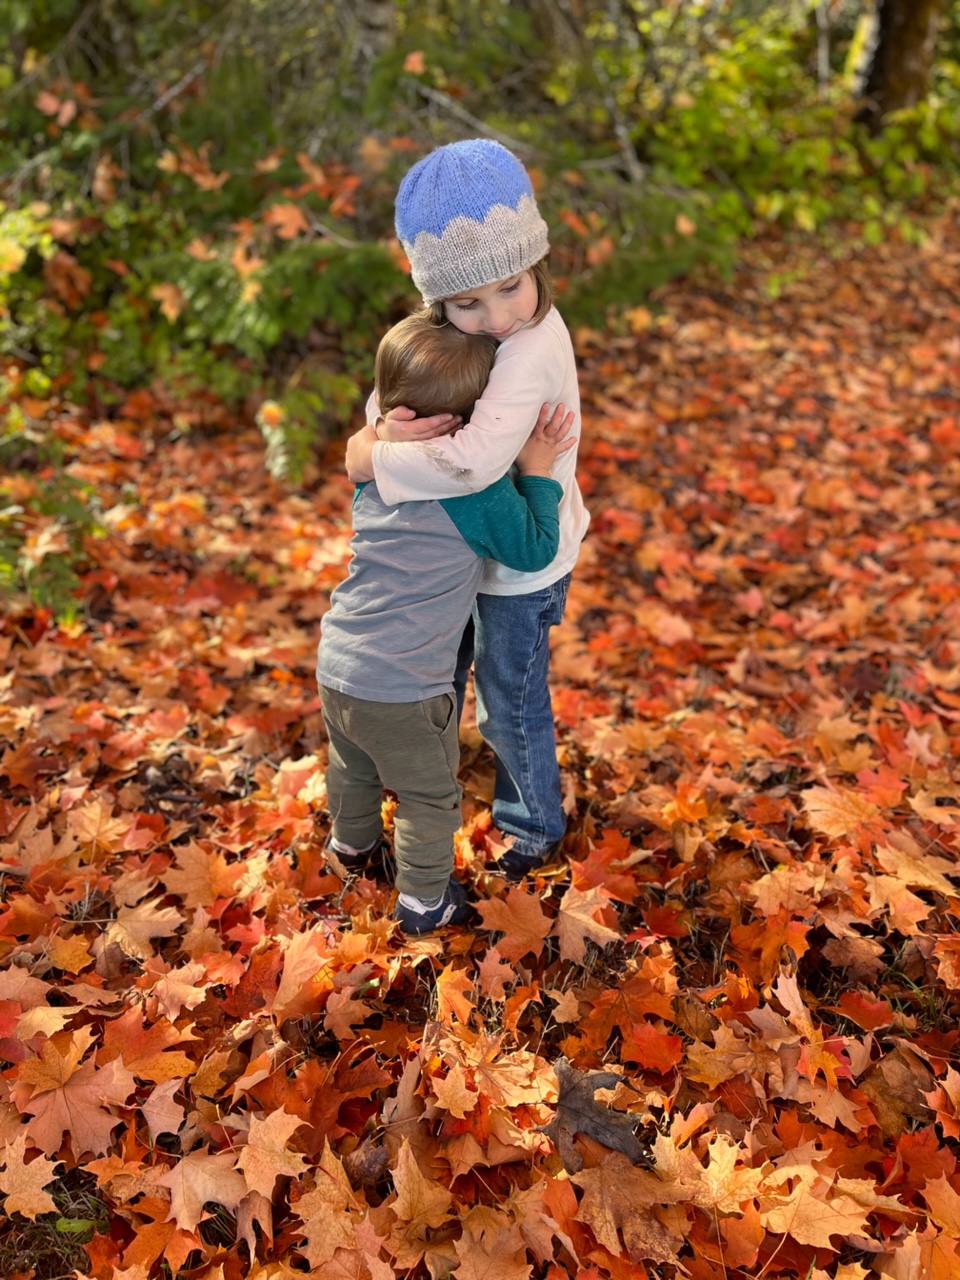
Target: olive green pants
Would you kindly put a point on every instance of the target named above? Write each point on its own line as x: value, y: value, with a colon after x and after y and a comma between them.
x: 412, y: 749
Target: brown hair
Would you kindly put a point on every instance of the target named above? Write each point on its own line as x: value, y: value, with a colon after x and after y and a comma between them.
x: 432, y: 368
x: 545, y: 295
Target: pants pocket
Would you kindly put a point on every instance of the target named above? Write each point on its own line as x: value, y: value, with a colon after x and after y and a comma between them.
x: 439, y: 711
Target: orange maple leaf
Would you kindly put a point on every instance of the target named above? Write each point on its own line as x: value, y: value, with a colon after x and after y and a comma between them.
x: 453, y: 986
x: 838, y: 812
x: 494, y: 975
x: 490, y: 1247
x: 171, y: 299
x: 453, y: 1093
x: 147, y: 1049
x: 809, y: 1211
x: 288, y: 220
x: 199, y: 876
x: 178, y: 989
x: 651, y: 1047
x: 64, y: 1095
x: 520, y: 918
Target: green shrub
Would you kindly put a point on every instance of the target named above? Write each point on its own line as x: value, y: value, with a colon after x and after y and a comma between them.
x: 45, y: 514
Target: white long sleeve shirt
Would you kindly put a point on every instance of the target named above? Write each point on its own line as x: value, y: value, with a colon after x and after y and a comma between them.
x: 534, y: 366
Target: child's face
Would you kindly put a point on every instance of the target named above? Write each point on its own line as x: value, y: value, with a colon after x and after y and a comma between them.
x: 496, y: 309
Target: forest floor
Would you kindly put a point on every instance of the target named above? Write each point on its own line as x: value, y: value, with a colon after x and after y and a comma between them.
x: 719, y: 1038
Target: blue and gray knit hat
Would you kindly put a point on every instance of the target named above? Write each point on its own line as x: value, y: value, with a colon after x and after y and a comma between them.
x: 466, y: 216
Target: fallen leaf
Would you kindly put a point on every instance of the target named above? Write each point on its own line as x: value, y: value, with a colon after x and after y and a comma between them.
x: 265, y: 1156
x: 579, y: 1112
x: 22, y: 1183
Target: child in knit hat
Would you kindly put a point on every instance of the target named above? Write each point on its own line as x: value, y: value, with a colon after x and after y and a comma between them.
x: 389, y: 641
x: 468, y: 221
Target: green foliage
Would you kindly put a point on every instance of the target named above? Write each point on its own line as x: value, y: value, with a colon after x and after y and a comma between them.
x: 289, y: 426
x: 764, y: 147
x: 45, y: 513
x: 613, y: 243
x: 52, y: 1244
x: 131, y: 293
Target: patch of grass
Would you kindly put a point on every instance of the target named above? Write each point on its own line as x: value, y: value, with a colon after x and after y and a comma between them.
x: 52, y: 1246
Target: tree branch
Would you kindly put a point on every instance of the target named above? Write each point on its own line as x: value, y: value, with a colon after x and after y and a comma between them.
x: 454, y: 109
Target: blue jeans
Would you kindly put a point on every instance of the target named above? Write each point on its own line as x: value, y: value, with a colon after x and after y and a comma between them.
x: 511, y: 655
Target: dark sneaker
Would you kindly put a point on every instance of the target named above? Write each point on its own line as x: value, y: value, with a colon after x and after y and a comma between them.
x: 520, y: 860
x: 453, y: 908
x: 355, y: 864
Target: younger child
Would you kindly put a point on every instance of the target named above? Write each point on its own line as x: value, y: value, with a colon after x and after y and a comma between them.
x: 389, y: 641
x: 469, y: 224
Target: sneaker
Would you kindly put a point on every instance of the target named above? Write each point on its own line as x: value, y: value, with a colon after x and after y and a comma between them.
x: 453, y: 908
x: 355, y: 864
x: 520, y: 860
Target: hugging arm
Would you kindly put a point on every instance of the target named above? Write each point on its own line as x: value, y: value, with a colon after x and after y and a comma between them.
x: 524, y: 379
x: 398, y: 426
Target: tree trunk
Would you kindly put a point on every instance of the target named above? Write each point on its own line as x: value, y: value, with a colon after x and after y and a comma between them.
x: 374, y: 25
x: 900, y: 67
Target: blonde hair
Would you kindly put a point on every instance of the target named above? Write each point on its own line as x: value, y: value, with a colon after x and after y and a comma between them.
x: 545, y: 295
x: 432, y: 368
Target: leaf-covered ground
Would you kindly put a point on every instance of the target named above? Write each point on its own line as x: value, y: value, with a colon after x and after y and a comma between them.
x: 718, y: 1040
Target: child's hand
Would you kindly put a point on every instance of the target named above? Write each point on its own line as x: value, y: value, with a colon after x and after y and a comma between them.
x: 550, y: 437
x: 359, y: 459
x: 402, y: 425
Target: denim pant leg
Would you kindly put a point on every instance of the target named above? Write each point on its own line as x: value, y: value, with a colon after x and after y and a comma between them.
x: 513, y: 711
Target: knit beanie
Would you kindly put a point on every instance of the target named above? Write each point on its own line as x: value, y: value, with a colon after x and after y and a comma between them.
x: 466, y: 216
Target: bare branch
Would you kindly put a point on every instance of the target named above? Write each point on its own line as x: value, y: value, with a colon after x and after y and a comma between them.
x: 86, y: 14
x: 174, y: 91
x: 447, y: 104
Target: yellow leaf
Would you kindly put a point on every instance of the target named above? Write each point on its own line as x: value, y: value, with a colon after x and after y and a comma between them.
x: 201, y: 1177
x: 265, y: 1157
x: 837, y: 813
x: 69, y: 954
x: 453, y: 986
x: 808, y: 1215
x: 23, y: 1183
x: 453, y: 1093
x: 638, y: 318
x: 12, y: 255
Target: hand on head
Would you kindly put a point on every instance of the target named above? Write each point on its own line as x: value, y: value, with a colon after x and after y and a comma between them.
x: 402, y: 424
